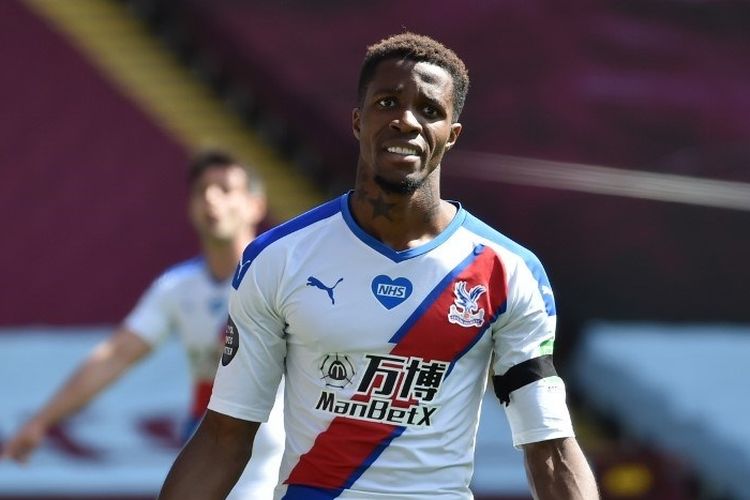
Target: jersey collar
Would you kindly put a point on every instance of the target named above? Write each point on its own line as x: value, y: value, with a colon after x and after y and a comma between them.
x: 394, y: 255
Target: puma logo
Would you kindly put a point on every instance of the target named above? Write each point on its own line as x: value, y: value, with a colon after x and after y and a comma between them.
x: 313, y: 281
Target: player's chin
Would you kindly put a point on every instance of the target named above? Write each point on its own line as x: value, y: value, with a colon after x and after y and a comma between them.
x: 221, y: 234
x: 402, y: 186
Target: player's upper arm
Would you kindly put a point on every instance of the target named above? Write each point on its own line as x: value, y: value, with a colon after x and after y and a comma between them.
x: 525, y: 378
x: 152, y: 317
x: 252, y: 363
x: 526, y: 330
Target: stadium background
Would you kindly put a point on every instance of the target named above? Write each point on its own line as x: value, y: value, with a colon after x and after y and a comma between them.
x: 610, y: 137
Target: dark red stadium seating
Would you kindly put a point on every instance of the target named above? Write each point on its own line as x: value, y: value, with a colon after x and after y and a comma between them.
x: 92, y: 192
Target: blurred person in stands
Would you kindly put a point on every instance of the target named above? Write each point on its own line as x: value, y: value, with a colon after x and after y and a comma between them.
x: 226, y: 203
x: 383, y: 309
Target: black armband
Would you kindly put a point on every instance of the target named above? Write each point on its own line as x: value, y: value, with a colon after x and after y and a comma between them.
x: 522, y: 374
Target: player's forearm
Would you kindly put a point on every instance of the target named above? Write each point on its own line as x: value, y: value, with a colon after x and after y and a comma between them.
x: 77, y: 391
x: 558, y: 470
x: 212, y: 461
x: 106, y: 363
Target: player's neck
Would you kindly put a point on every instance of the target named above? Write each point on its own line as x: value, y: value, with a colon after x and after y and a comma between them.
x: 400, y: 221
x: 222, y: 256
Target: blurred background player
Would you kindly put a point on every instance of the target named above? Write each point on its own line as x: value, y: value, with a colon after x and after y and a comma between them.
x: 226, y: 204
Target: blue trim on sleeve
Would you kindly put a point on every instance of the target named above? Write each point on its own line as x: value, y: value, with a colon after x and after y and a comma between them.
x: 480, y: 228
x: 400, y: 256
x: 308, y: 218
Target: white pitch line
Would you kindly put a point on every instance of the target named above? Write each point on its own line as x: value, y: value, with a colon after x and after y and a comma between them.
x: 604, y: 180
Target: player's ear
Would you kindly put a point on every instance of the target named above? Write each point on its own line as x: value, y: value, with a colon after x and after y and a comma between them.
x: 356, y: 116
x: 453, y: 135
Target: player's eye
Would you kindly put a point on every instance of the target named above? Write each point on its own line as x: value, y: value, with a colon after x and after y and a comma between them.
x: 432, y: 111
x: 386, y: 102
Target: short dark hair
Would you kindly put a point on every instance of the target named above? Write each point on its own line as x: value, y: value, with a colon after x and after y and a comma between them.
x: 208, y: 158
x: 418, y: 48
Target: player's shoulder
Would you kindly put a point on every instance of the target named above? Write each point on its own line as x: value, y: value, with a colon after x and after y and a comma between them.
x: 181, y: 272
x: 287, y: 234
x: 512, y: 251
x: 293, y: 227
x: 500, y: 241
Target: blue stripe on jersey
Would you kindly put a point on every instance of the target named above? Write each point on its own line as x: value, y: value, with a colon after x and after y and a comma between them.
x: 434, y: 294
x: 400, y: 256
x: 379, y: 449
x: 298, y: 492
x: 532, y: 261
x: 318, y: 213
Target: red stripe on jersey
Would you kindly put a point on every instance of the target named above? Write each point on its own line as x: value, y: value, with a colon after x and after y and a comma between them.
x: 201, y: 395
x: 432, y: 336
x: 338, y: 452
x: 348, y: 446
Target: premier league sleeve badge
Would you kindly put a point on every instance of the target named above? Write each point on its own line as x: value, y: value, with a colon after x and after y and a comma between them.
x: 231, y: 342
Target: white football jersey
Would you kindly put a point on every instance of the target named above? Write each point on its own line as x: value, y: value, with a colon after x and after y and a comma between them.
x: 186, y: 300
x: 385, y: 354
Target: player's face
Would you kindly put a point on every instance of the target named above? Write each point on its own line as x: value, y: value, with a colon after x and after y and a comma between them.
x: 222, y: 207
x: 404, y: 124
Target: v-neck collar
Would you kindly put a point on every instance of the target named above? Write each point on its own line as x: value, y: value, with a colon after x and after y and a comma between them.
x: 394, y: 255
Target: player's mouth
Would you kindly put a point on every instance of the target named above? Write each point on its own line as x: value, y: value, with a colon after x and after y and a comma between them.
x: 211, y: 219
x: 403, y: 151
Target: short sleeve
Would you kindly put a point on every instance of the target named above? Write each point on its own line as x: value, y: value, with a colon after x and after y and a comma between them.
x: 523, y: 344
x: 252, y: 362
x: 151, y: 319
x: 527, y: 329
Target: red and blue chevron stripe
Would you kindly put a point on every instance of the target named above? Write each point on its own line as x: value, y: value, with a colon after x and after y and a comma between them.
x: 348, y: 447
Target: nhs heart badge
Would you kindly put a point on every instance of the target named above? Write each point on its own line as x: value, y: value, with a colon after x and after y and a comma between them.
x: 391, y: 292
